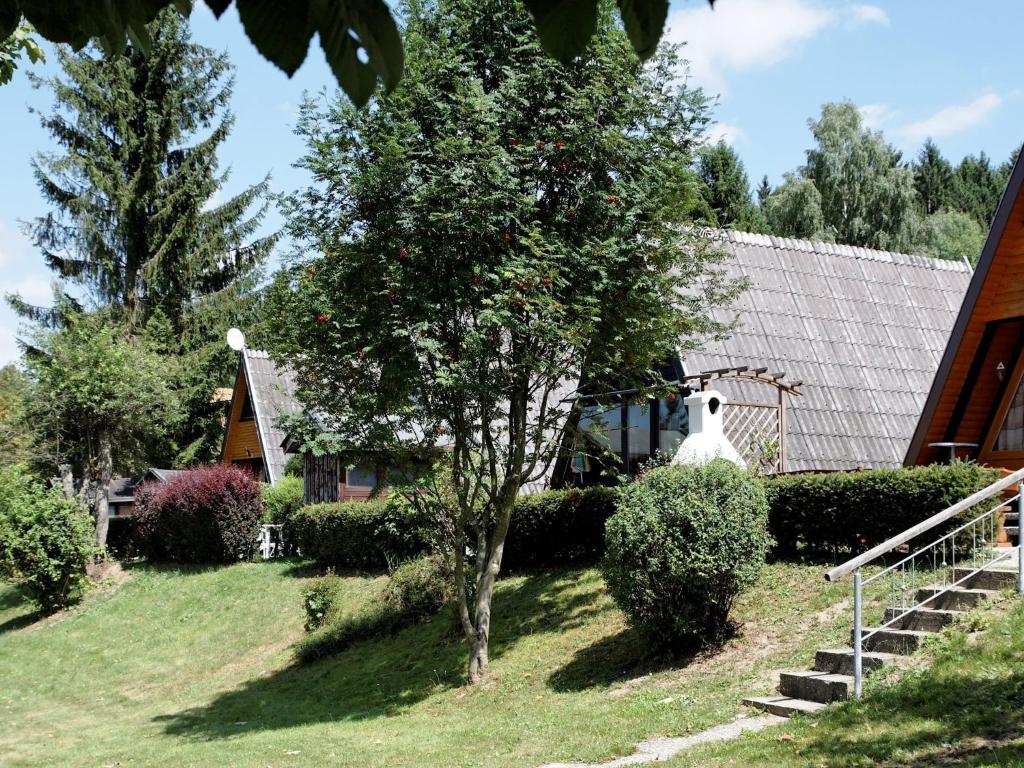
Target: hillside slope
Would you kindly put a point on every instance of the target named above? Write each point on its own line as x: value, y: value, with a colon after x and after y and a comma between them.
x: 193, y: 667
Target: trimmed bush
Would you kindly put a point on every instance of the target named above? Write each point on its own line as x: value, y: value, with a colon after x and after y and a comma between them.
x: 558, y: 528
x: 283, y: 500
x: 854, y: 511
x: 353, y: 535
x: 547, y: 529
x: 45, y: 541
x: 682, y: 544
x: 417, y: 590
x: 205, y: 515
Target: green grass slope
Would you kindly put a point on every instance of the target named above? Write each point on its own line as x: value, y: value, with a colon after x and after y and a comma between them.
x: 194, y: 667
x: 965, y: 708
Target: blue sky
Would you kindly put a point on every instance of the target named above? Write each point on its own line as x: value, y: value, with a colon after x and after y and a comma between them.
x: 917, y: 68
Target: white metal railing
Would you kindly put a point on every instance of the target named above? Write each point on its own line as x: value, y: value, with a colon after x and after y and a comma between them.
x: 271, y: 541
x: 932, y: 570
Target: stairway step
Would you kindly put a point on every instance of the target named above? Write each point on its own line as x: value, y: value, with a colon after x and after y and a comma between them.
x: 839, y: 661
x: 784, y: 705
x: 1012, y: 530
x: 989, y: 579
x: 922, y: 619
x: 954, y: 598
x: 823, y: 687
x: 901, y: 641
x: 1011, y: 517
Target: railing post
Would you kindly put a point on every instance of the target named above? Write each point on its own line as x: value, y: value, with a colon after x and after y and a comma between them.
x: 857, y: 668
x: 1019, y: 505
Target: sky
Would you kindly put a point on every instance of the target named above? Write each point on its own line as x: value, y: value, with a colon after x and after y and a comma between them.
x: 916, y: 68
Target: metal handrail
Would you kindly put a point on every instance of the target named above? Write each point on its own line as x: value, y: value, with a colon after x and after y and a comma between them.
x: 948, y: 513
x: 899, y: 570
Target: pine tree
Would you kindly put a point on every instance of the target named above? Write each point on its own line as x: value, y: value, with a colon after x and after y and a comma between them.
x: 977, y: 187
x: 135, y: 220
x: 933, y: 179
x: 725, y: 188
x: 764, y: 189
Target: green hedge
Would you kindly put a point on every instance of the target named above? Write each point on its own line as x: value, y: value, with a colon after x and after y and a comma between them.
x: 559, y: 527
x: 853, y: 511
x: 352, y: 535
x: 547, y: 529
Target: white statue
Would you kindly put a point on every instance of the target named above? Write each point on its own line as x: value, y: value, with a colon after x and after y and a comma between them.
x: 707, y: 440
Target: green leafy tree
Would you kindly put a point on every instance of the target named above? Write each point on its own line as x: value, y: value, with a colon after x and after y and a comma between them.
x: 104, y: 398
x: 977, y: 187
x: 19, y: 43
x: 497, y: 229
x: 951, y: 235
x: 359, y: 38
x: 867, y: 196
x: 16, y: 437
x: 725, y: 188
x: 135, y: 220
x: 933, y: 179
x: 793, y: 209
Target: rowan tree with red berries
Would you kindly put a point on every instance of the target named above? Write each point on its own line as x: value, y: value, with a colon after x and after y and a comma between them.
x: 497, y: 230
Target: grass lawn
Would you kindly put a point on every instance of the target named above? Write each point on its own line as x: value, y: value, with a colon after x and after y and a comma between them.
x: 194, y: 667
x: 967, y: 708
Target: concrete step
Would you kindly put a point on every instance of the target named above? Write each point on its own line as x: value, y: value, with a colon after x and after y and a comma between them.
x: 1011, y: 518
x: 921, y: 619
x: 989, y: 579
x: 901, y: 641
x: 784, y: 705
x: 823, y: 687
x: 1012, y: 531
x: 839, y: 661
x: 954, y: 598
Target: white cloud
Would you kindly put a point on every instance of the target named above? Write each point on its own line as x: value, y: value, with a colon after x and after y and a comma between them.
x: 876, y: 115
x: 860, y: 13
x: 953, y: 119
x: 727, y: 132
x: 753, y: 34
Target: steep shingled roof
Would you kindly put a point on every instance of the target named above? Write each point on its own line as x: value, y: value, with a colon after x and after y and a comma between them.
x: 864, y: 331
x: 272, y: 393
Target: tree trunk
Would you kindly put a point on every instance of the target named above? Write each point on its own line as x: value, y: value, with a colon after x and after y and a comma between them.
x: 67, y: 482
x: 480, y: 638
x: 103, y: 492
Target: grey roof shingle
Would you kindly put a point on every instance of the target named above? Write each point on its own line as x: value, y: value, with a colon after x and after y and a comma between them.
x: 273, y: 395
x: 862, y: 329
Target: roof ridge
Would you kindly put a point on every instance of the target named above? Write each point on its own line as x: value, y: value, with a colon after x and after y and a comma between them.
x: 740, y: 237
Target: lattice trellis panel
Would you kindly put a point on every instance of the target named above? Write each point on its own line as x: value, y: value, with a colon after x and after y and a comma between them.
x: 755, y: 430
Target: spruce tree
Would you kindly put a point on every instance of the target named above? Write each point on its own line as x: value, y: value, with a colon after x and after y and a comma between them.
x: 977, y: 187
x: 764, y: 189
x: 725, y: 188
x: 135, y: 219
x: 933, y: 179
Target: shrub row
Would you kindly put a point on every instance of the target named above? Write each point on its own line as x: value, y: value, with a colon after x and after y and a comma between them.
x: 853, y: 511
x: 549, y: 528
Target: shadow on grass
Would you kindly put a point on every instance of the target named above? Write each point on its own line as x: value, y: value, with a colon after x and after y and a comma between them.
x: 929, y: 720
x: 384, y: 676
x: 11, y: 600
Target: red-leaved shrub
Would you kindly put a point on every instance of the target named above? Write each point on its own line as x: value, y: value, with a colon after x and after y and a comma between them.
x: 205, y: 515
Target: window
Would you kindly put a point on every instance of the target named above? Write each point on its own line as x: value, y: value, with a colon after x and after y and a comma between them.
x: 1011, y: 434
x: 673, y: 425
x: 246, y: 414
x: 362, y: 476
x: 638, y: 422
x: 603, y: 425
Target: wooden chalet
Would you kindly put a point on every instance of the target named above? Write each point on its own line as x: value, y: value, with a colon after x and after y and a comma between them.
x: 828, y: 368
x: 975, y: 408
x: 261, y: 394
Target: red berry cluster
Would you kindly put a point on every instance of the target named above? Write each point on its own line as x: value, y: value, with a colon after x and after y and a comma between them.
x: 321, y: 318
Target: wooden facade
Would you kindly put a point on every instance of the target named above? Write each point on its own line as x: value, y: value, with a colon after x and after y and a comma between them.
x: 242, y: 445
x: 328, y: 478
x: 980, y: 378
